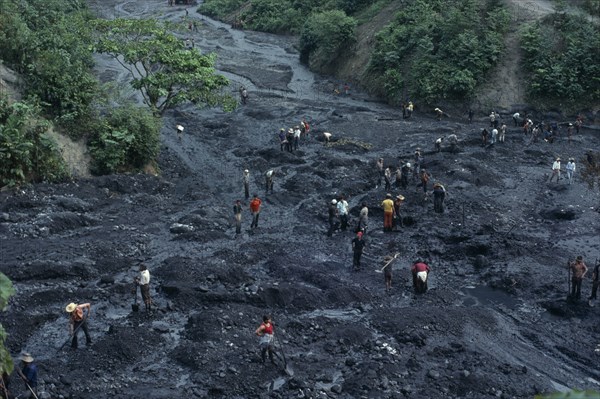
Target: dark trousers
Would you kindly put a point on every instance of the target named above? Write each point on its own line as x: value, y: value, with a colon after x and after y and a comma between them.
x: 263, y: 353
x: 269, y: 186
x: 420, y: 286
x: 246, y: 191
x: 254, y: 219
x: 333, y: 225
x: 84, y: 327
x: 343, y: 222
x: 356, y: 259
x: 594, y: 289
x: 438, y: 203
x: 576, y: 288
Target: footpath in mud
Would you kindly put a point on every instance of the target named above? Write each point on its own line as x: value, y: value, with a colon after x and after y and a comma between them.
x: 494, y: 323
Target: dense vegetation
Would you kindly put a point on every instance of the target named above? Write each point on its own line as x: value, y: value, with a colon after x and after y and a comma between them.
x: 563, y: 61
x: 50, y: 44
x: 438, y: 49
x: 6, y: 291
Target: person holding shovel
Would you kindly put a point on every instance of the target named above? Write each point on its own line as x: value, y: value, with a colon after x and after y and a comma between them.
x: 77, y: 320
x: 579, y: 270
x: 387, y: 271
x: 143, y: 280
x: 29, y: 375
x: 265, y: 332
x: 358, y: 245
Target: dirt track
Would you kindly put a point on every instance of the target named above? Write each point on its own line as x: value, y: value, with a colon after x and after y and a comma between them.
x: 495, y: 322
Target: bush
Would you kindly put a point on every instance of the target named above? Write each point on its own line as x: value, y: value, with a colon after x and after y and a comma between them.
x: 127, y: 138
x: 325, y: 36
x: 563, y: 62
x: 26, y: 150
x: 441, y: 49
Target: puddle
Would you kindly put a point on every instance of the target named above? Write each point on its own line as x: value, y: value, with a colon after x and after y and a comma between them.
x: 483, y: 295
x: 334, y: 314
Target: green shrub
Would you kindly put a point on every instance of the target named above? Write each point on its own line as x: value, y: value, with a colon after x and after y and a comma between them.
x: 220, y: 8
x: 128, y: 138
x: 325, y: 36
x: 562, y: 58
x: 26, y: 150
x: 441, y: 49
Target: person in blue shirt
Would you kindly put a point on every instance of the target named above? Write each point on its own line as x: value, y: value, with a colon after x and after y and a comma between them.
x: 29, y: 374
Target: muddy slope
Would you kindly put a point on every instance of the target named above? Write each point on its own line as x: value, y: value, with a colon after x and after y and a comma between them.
x: 495, y: 322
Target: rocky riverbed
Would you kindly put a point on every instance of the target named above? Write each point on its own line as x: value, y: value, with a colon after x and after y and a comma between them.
x: 494, y: 323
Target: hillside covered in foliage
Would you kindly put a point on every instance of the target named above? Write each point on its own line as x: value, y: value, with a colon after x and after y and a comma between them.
x: 435, y: 50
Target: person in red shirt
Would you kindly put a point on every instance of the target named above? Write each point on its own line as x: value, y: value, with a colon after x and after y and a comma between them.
x: 78, y: 319
x: 255, y: 210
x: 420, y: 274
x: 265, y: 332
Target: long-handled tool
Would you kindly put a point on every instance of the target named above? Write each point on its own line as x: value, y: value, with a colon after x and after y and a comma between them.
x: 288, y: 370
x: 72, y: 335
x: 134, y: 306
x: 26, y: 383
x: 387, y: 264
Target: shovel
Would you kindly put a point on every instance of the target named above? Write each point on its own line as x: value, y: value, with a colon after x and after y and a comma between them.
x: 288, y: 370
x: 134, y: 306
x: 387, y: 264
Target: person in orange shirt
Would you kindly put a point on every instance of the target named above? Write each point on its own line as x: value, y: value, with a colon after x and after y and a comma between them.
x: 78, y: 320
x: 388, y: 212
x: 255, y: 210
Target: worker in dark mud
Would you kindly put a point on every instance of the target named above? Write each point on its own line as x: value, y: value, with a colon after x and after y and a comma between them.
x: 398, y: 202
x: 502, y: 133
x: 516, y: 118
x: 255, y: 205
x: 570, y: 130
x: 388, y: 213
x: 237, y: 214
x: 405, y: 173
x: 420, y: 274
x: 289, y: 138
x: 398, y: 177
x: 387, y: 176
x: 342, y: 208
x: 484, y: 137
x: 269, y: 180
x: 438, y: 144
x: 470, y: 114
x: 595, y: 282
x: 266, y: 333
x: 358, y: 245
x: 438, y: 114
x: 439, y: 194
x: 143, y: 280
x: 297, y: 134
x: 419, y: 160
x: 578, y: 123
x: 180, y: 132
x: 246, y: 181
x: 424, y: 180
x: 493, y: 120
x: 327, y: 137
x: 578, y: 270
x: 333, y: 217
x: 410, y: 108
x: 589, y: 157
x: 387, y: 271
x: 570, y: 168
x: 453, y: 142
x: 78, y: 320
x: 494, y: 136
x: 282, y: 141
x: 555, y: 170
x: 363, y: 218
x: 380, y: 171
x: 243, y: 95
x: 29, y: 375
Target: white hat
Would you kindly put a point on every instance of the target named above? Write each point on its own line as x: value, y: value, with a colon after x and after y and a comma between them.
x: 408, y: 164
x: 71, y: 307
x: 180, y: 128
x: 333, y: 201
x: 246, y: 171
x: 26, y: 357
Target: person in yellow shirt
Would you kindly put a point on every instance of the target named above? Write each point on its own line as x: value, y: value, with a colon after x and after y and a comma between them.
x: 388, y: 212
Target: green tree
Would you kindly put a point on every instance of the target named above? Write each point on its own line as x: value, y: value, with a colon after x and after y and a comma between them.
x: 161, y: 68
x: 6, y: 291
x: 325, y: 36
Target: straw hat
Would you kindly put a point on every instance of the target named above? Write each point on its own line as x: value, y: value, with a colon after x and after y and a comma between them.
x: 388, y: 195
x: 180, y: 128
x: 400, y: 197
x: 246, y: 171
x: 26, y: 357
x: 558, y: 159
x: 71, y: 307
x: 333, y: 201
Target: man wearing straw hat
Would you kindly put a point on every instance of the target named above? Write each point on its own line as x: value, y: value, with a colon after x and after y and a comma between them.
x: 77, y: 320
x: 555, y: 170
x: 29, y: 375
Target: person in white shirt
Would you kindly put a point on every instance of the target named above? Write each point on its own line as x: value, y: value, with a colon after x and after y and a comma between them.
x: 342, y: 207
x: 555, y: 170
x: 570, y: 169
x: 144, y: 282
